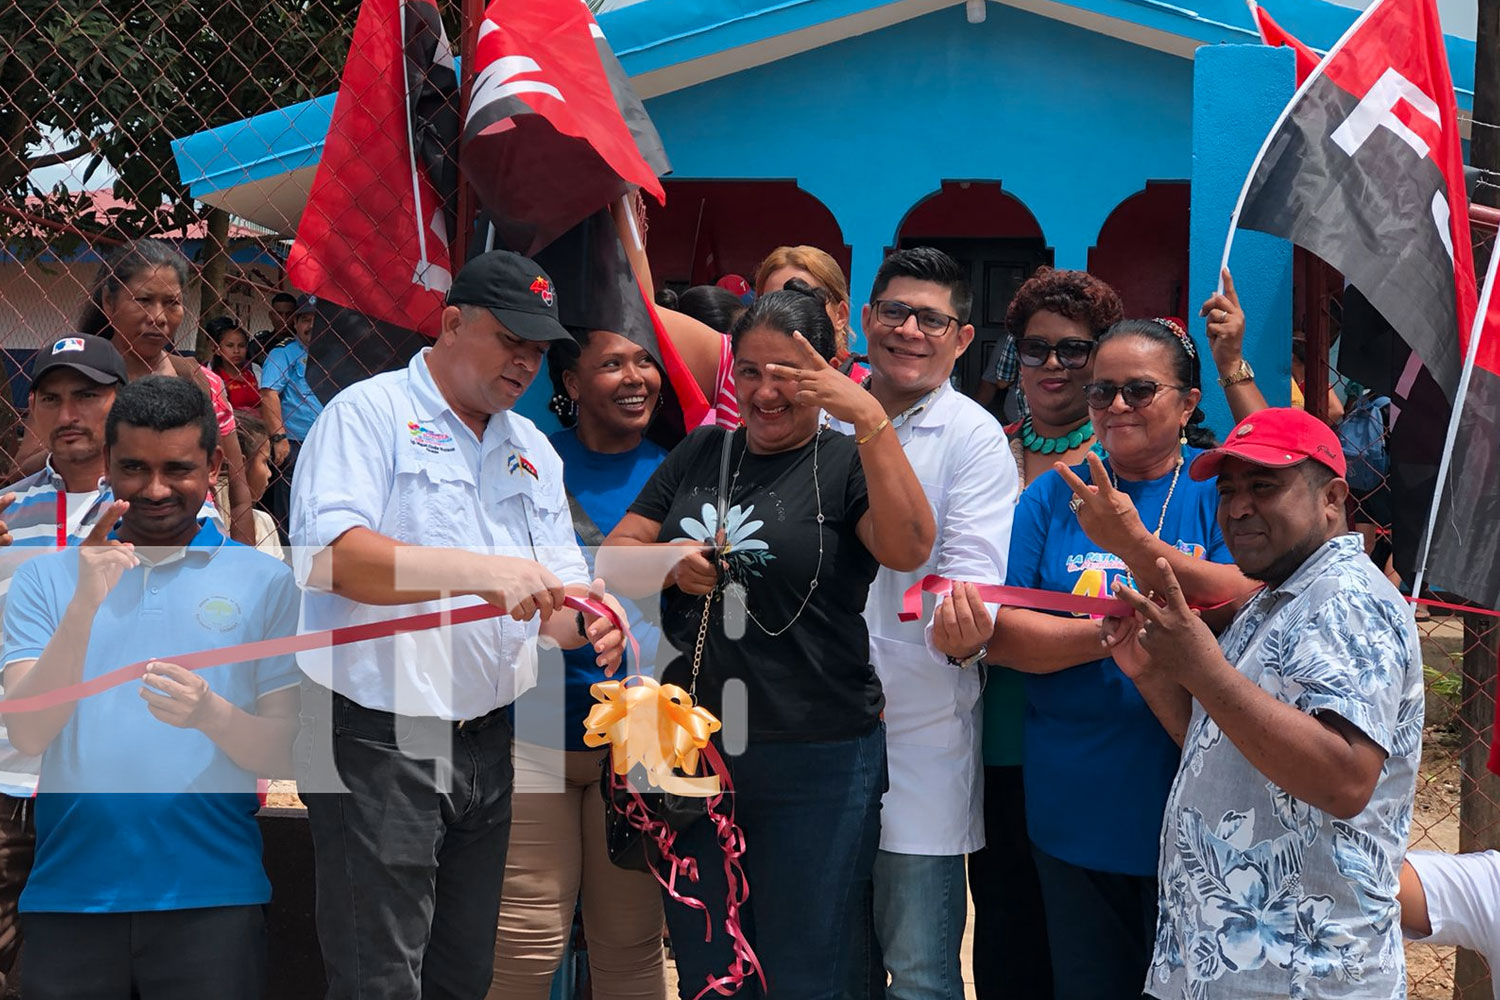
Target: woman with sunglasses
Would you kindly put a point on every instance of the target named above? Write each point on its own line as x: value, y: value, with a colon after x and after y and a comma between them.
x: 1097, y: 763
x: 1056, y: 319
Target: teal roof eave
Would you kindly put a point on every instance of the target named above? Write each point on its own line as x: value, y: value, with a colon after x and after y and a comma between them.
x: 657, y: 34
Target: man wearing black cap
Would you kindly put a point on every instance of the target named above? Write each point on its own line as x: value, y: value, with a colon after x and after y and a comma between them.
x: 72, y: 388
x: 416, y: 487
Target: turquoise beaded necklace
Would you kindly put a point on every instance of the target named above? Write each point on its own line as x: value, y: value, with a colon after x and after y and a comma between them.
x: 1032, y: 441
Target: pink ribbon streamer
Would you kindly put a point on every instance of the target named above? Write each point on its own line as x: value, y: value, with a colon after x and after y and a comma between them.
x: 731, y: 841
x: 284, y: 645
x: 1014, y: 597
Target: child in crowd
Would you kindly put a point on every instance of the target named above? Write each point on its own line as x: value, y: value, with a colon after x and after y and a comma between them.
x: 255, y: 442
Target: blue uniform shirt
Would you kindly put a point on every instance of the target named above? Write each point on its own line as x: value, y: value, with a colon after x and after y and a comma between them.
x: 285, y: 373
x: 1098, y: 764
x: 193, y: 842
x: 605, y: 486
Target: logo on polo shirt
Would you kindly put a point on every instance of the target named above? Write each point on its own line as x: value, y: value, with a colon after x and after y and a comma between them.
x: 218, y: 613
x: 519, y: 463
x: 68, y: 344
x: 430, y: 439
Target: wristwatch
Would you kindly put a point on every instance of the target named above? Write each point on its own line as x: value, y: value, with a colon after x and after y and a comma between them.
x: 1241, y: 372
x: 276, y: 438
x: 975, y: 657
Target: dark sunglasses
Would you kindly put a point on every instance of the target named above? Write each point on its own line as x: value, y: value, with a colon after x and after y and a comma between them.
x: 1072, y: 353
x: 1137, y: 393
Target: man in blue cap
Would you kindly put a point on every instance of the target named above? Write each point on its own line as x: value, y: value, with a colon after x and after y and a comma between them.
x: 288, y: 406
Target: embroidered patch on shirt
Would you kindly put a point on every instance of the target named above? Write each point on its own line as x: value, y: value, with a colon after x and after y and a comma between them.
x: 518, y: 462
x: 430, y: 439
x: 218, y: 613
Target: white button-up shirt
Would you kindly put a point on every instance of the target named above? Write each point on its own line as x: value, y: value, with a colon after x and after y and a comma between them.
x: 389, y: 454
x: 935, y: 804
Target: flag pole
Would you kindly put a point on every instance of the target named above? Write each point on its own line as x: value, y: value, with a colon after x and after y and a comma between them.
x: 1476, y: 334
x: 470, y: 15
x: 1239, y: 203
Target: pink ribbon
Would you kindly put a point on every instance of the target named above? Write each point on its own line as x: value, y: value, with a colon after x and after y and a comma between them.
x: 284, y: 645
x: 1014, y: 597
x: 731, y: 846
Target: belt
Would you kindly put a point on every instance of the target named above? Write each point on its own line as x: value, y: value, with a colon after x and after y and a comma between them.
x: 474, y: 725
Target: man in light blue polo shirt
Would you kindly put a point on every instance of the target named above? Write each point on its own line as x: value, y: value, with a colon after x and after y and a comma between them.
x: 159, y: 893
x: 288, y: 406
x: 417, y: 485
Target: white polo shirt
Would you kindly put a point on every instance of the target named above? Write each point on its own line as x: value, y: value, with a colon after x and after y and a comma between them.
x: 935, y: 804
x: 389, y: 454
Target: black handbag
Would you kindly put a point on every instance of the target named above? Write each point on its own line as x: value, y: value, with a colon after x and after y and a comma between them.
x: 628, y: 845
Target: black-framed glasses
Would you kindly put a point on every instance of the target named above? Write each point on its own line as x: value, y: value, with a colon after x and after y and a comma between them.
x: 1138, y: 392
x: 1072, y: 353
x: 931, y: 322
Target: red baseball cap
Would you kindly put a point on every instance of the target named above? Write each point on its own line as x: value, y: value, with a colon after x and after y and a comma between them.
x: 1277, y: 438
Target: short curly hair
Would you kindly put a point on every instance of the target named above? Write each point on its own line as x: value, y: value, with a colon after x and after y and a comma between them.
x: 1076, y: 295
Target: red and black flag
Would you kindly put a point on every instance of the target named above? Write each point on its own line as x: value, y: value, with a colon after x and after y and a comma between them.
x: 555, y: 131
x: 1274, y: 34
x: 555, y: 138
x: 1364, y: 168
x: 373, y: 241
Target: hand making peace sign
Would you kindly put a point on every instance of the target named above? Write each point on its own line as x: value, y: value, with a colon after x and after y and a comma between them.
x: 1105, y: 513
x: 1169, y: 636
x: 821, y: 384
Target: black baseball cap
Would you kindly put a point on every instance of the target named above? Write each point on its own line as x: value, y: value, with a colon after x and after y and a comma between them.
x: 515, y: 289
x: 305, y: 305
x: 93, y: 357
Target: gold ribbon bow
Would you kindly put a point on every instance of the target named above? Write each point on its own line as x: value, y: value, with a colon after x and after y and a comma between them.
x: 656, y: 726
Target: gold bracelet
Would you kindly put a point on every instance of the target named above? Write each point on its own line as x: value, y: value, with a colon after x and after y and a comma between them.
x: 884, y: 423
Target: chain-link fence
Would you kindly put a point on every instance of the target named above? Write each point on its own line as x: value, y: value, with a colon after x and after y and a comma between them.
x: 97, y: 90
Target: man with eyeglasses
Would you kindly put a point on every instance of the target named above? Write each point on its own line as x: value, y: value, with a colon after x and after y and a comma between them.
x: 932, y: 816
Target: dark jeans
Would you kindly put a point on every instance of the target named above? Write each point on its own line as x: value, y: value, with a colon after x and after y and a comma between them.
x: 17, y: 850
x: 217, y: 952
x: 1101, y: 926
x: 1010, y: 931
x: 278, y: 498
x: 811, y: 817
x: 408, y: 873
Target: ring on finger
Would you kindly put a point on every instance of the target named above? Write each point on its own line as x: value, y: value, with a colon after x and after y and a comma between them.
x: 1075, y: 504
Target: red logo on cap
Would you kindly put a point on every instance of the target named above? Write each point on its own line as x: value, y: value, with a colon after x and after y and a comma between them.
x: 541, y: 286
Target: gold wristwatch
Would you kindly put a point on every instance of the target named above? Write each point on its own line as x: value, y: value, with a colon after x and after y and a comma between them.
x: 1241, y: 372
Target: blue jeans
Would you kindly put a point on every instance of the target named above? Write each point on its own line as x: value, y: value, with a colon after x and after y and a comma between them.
x: 811, y: 817
x: 921, y: 906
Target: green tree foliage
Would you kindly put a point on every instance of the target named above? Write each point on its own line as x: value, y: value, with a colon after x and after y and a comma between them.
x: 119, y: 79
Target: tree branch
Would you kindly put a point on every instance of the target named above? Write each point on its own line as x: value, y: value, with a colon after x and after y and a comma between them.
x: 62, y: 156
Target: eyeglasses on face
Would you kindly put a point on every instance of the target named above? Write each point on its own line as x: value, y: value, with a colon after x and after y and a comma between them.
x: 931, y: 322
x: 1136, y: 393
x: 1072, y: 353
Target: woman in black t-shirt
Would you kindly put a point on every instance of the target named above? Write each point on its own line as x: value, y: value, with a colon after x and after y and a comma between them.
x: 810, y: 515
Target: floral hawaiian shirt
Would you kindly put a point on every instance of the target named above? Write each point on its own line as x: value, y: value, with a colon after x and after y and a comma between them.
x: 1262, y: 895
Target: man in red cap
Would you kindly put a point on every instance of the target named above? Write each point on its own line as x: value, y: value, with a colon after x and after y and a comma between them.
x: 1301, y: 728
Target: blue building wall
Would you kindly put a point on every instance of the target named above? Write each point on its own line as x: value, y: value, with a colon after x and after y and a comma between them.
x: 1069, y: 121
x: 1239, y: 90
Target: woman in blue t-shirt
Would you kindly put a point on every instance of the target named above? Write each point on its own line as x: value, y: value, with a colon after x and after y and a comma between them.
x: 1097, y: 763
x: 608, y: 388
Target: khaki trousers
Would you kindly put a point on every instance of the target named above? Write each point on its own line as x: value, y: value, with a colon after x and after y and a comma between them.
x: 557, y: 856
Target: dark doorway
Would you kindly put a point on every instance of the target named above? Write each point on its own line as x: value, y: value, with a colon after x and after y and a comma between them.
x: 996, y: 267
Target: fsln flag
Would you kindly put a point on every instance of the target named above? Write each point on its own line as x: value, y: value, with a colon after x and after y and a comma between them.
x: 1364, y: 169
x: 375, y: 233
x: 555, y: 131
x: 1464, y: 556
x: 597, y: 290
x: 1274, y: 34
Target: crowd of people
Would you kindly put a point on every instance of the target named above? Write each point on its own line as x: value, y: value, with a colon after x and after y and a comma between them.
x: 1203, y: 789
